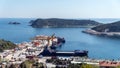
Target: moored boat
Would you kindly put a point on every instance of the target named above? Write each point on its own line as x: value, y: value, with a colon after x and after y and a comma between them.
x: 81, y: 53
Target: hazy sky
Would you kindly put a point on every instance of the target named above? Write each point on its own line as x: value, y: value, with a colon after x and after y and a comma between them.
x: 60, y: 8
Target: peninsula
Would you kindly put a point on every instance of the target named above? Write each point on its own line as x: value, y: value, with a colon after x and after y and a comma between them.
x: 62, y: 23
x: 110, y: 30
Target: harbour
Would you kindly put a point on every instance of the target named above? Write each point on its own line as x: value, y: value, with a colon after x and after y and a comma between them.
x: 76, y: 40
x: 59, y: 34
x: 40, y: 48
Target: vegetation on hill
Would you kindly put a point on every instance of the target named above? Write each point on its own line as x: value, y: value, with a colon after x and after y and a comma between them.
x: 82, y: 65
x: 4, y: 45
x: 112, y: 27
x: 54, y: 22
x: 31, y: 64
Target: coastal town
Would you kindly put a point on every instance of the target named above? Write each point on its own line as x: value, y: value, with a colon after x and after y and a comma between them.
x: 59, y: 34
x: 37, y: 51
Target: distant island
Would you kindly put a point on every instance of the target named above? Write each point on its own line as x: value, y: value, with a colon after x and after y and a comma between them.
x: 6, y: 45
x: 54, y: 23
x: 14, y: 23
x: 110, y: 30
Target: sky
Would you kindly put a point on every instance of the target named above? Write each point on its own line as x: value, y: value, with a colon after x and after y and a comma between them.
x: 59, y: 8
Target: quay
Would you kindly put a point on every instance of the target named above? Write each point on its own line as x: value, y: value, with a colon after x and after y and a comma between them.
x: 25, y: 50
x: 40, y: 48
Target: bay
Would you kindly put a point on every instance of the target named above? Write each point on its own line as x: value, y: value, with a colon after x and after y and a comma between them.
x: 98, y: 47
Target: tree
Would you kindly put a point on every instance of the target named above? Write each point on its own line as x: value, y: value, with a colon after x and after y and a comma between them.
x: 118, y: 67
x: 88, y: 66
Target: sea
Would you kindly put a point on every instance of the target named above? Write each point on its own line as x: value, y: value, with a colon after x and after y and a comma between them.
x: 98, y: 47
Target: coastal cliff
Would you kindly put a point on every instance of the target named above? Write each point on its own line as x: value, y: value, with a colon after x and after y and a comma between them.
x: 54, y: 22
x: 110, y: 30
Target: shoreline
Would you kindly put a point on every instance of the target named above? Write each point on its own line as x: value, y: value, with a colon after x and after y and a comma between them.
x: 106, y: 34
x: 31, y: 50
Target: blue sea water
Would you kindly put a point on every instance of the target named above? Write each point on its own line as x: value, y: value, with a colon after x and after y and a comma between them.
x: 98, y: 47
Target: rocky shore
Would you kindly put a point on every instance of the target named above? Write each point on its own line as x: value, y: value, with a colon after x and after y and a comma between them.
x: 107, y: 30
x: 107, y: 34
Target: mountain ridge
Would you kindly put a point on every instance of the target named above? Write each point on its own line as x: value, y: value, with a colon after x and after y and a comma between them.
x: 55, y: 22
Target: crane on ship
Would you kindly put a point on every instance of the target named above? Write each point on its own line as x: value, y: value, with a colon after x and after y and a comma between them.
x: 49, y: 38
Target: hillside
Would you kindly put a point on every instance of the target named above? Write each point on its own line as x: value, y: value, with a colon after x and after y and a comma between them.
x: 112, y: 27
x: 4, y: 45
x: 54, y: 22
x: 107, y: 30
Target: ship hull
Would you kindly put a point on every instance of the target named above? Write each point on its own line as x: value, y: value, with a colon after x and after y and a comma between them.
x: 48, y: 53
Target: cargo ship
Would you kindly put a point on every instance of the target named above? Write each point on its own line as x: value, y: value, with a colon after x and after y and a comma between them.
x: 58, y: 43
x: 80, y: 53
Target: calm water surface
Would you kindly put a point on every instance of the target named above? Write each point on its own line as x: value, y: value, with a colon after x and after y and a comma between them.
x: 98, y: 47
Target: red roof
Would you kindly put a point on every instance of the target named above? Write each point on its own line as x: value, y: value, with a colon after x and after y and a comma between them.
x: 109, y: 63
